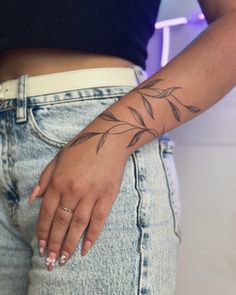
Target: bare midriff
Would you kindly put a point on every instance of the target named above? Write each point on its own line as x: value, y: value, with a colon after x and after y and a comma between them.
x: 38, y: 61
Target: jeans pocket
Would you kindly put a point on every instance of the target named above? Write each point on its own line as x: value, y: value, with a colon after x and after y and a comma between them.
x: 56, y: 123
x: 166, y: 151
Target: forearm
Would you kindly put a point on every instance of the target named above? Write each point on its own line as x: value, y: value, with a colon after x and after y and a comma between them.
x: 197, y: 78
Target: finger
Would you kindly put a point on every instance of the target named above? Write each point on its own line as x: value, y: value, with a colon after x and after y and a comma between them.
x: 78, y: 224
x: 60, y: 224
x: 34, y: 194
x: 46, y: 213
x: 96, y: 224
x: 43, y: 182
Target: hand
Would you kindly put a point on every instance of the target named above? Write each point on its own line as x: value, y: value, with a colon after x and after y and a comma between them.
x: 84, y: 181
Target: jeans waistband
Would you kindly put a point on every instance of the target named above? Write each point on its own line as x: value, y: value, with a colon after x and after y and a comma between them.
x: 23, y: 99
x: 26, y: 86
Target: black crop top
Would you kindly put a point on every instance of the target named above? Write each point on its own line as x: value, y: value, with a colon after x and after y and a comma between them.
x: 117, y: 27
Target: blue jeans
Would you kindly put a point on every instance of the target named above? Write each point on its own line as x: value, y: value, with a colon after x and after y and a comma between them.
x: 137, y: 250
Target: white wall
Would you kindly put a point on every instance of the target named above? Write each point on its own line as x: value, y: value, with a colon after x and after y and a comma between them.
x: 205, y: 155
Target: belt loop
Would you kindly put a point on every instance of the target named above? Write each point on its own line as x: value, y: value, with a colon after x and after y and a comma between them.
x: 141, y: 75
x: 1, y: 92
x: 21, y: 101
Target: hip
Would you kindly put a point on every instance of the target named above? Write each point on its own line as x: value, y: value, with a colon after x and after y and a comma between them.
x: 143, y: 229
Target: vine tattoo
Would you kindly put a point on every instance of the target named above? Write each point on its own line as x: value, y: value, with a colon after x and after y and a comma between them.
x: 157, y: 93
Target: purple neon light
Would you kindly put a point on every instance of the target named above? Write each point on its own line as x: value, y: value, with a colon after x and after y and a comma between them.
x: 177, y: 21
x: 171, y: 22
x: 201, y: 16
x: 165, y: 46
x: 165, y: 26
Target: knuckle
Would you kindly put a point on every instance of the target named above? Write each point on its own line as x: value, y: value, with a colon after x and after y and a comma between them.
x: 44, y: 216
x: 106, y: 203
x: 76, y: 187
x: 102, y: 210
x: 112, y: 188
x: 42, y: 232
x: 57, y: 181
x: 60, y: 220
x: 42, y: 235
x: 69, y: 247
x: 93, y: 232
x: 54, y: 246
x: 80, y: 221
x: 99, y: 217
x: 45, y: 211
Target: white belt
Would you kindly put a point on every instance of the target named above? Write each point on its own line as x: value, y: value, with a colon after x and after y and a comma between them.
x: 69, y: 80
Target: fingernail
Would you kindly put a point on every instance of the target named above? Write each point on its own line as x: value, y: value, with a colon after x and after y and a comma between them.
x: 42, y: 246
x: 51, y: 261
x: 86, y: 247
x: 33, y: 194
x: 63, y: 258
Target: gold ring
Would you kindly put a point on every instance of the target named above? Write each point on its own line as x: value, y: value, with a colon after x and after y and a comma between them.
x: 65, y: 209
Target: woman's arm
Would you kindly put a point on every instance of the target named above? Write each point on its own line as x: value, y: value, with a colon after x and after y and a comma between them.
x: 192, y: 82
x: 188, y: 85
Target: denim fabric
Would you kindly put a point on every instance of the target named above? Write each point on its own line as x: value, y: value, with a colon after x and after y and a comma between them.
x: 137, y: 250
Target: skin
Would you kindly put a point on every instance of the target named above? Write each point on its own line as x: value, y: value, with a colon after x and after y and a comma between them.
x: 187, y: 86
x: 50, y: 60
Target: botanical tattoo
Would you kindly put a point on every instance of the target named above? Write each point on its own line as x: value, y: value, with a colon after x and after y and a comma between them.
x: 156, y: 93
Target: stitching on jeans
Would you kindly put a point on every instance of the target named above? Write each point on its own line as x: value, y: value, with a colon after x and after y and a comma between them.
x: 39, y: 134
x: 136, y: 169
x: 169, y: 197
x: 140, y: 225
x: 53, y: 102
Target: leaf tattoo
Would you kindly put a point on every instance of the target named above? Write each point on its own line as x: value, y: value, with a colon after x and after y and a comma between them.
x: 163, y: 94
x: 150, y: 83
x: 108, y: 116
x: 167, y: 92
x: 135, y: 138
x: 175, y: 110
x: 137, y: 116
x: 83, y: 137
x: 147, y: 106
x: 102, y: 140
x: 193, y: 109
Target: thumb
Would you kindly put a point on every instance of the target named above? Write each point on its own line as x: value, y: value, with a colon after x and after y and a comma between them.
x: 44, y: 179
